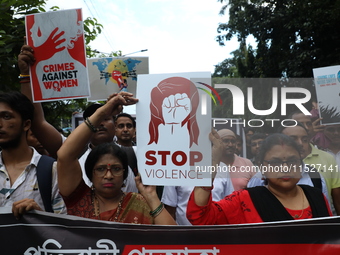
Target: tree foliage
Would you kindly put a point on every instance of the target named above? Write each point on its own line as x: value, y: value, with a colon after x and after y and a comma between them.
x: 292, y: 36
x: 12, y: 31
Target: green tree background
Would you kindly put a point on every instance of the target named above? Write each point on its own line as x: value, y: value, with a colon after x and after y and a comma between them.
x: 292, y: 37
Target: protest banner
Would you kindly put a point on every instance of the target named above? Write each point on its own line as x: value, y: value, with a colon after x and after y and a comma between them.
x: 327, y: 85
x: 173, y: 127
x: 110, y: 75
x: 57, y: 39
x: 47, y: 233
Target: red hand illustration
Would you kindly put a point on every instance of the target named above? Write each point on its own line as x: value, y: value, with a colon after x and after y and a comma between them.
x: 49, y: 47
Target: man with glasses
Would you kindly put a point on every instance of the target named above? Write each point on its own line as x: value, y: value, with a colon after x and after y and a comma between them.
x: 240, y: 169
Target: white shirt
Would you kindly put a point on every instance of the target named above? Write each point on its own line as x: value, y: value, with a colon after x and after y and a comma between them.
x: 26, y: 186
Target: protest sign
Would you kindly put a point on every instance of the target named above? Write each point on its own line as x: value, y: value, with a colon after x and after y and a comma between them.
x: 110, y: 75
x: 174, y: 121
x: 327, y: 85
x: 57, y: 39
x: 48, y: 233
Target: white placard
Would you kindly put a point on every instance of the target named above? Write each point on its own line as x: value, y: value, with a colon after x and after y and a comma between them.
x: 327, y: 85
x: 173, y: 126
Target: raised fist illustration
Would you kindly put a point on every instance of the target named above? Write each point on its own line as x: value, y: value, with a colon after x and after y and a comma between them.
x: 176, y: 108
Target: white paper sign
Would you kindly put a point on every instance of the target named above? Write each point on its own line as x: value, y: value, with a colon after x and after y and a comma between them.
x: 173, y: 126
x: 59, y: 71
x: 327, y: 85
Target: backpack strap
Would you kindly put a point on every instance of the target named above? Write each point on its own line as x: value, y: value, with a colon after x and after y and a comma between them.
x: 44, y: 177
x: 315, y: 177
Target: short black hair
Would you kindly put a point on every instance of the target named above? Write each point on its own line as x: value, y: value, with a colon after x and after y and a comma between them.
x: 123, y: 114
x: 257, y: 136
x: 90, y: 110
x: 19, y: 103
x: 102, y: 149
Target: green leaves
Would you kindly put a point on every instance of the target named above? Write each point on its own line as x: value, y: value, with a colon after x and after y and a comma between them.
x: 292, y: 37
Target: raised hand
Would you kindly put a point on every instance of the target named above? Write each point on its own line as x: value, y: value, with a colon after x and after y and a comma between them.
x: 216, y: 150
x: 25, y: 59
x: 115, y: 102
x: 317, y: 127
x: 148, y: 191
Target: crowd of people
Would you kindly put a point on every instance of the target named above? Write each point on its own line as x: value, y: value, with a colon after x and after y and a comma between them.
x: 290, y: 174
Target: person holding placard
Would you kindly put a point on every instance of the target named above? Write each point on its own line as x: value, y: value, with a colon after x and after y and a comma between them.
x: 106, y: 167
x: 281, y: 199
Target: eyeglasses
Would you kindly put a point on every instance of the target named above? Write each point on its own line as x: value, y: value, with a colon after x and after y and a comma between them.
x: 101, y: 171
x: 291, y: 162
x: 227, y: 141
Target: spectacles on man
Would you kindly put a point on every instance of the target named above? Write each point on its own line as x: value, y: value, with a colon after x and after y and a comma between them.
x: 227, y: 141
x: 101, y: 170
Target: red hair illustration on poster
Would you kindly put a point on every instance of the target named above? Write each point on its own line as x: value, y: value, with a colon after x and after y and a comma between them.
x: 173, y: 105
x: 58, y: 44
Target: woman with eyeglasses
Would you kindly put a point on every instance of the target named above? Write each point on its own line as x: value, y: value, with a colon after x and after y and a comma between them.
x: 107, y: 168
x: 281, y: 199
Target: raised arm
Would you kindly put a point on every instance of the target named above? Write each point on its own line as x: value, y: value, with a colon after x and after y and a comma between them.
x: 47, y: 135
x: 160, y: 214
x: 69, y: 170
x: 202, y: 194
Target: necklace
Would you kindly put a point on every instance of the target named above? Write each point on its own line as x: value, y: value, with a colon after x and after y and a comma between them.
x: 303, y: 201
x: 303, y: 205
x: 96, y: 207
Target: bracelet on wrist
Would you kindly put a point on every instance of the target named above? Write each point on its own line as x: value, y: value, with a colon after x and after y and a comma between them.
x: 157, y: 211
x: 90, y: 125
x: 24, y: 76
